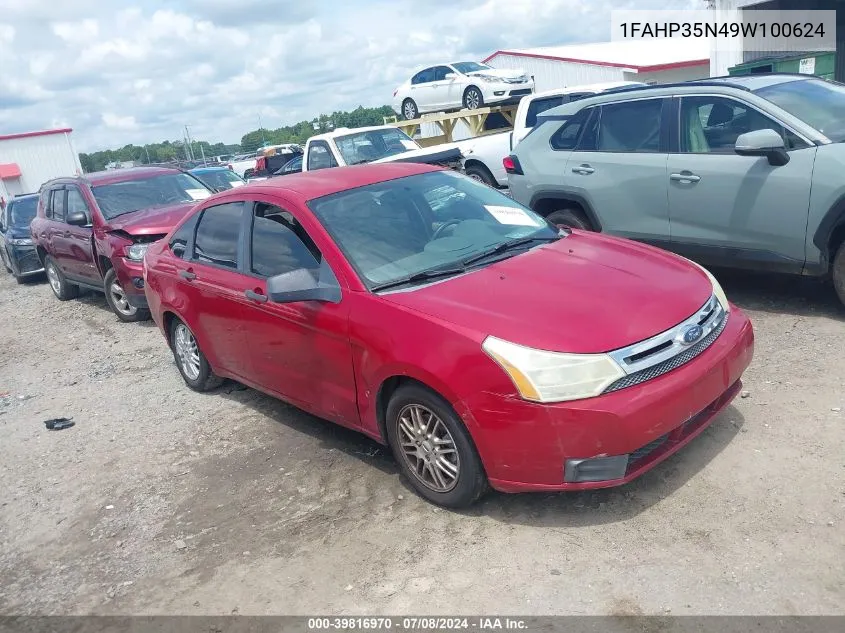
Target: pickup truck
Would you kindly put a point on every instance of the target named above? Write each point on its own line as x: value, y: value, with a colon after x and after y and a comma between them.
x: 485, y: 164
x: 377, y: 144
x: 243, y: 164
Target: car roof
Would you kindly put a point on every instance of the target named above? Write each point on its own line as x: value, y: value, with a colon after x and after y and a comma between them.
x: 745, y: 83
x: 597, y: 87
x: 111, y: 176
x: 344, y: 131
x: 315, y: 184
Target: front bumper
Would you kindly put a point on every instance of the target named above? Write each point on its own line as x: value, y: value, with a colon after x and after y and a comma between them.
x: 525, y: 446
x: 130, y: 274
x: 504, y: 93
x: 25, y: 261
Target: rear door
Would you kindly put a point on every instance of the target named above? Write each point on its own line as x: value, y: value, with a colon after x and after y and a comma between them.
x: 211, y: 287
x: 422, y: 91
x: 58, y: 233
x: 737, y: 210
x: 301, y: 350
x: 618, y: 167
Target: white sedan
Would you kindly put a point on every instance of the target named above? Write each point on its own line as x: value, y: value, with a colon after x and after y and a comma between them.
x: 459, y: 85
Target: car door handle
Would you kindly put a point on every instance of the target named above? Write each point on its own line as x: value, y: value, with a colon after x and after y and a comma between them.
x: 685, y: 176
x: 584, y: 170
x: 255, y: 296
x: 187, y: 274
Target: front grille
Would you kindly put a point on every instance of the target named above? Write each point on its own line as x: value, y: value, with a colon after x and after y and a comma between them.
x: 645, y: 451
x: 672, y: 363
x: 517, y: 93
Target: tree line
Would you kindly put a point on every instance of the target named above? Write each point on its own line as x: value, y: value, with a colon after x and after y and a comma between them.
x: 178, y: 150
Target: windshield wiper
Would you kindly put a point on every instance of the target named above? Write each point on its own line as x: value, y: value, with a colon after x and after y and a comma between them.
x: 423, y: 275
x: 505, y: 247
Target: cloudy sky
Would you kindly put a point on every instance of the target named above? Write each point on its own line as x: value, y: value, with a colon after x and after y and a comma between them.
x: 136, y: 71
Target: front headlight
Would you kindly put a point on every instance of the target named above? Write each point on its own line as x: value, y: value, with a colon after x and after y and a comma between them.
x: 136, y: 252
x: 717, y: 288
x: 490, y: 78
x: 21, y: 241
x: 544, y: 376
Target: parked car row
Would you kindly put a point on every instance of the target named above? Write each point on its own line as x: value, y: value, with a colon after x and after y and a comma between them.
x: 416, y: 305
x: 740, y: 172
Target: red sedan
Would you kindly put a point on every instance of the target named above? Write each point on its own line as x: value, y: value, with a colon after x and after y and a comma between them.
x: 438, y: 316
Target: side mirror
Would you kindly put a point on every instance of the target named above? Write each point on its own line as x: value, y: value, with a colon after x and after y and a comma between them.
x: 450, y: 76
x: 77, y: 218
x: 304, y: 284
x: 766, y: 143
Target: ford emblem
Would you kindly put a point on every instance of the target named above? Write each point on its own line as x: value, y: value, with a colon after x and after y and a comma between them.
x: 690, y: 334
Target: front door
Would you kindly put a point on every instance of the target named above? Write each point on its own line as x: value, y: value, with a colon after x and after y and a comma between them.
x: 619, y: 167
x: 299, y: 351
x: 211, y: 288
x: 79, y: 240
x: 731, y: 209
x: 445, y: 91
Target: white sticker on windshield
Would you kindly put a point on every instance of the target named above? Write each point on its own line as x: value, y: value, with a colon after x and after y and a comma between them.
x: 198, y: 194
x: 409, y: 144
x: 237, y: 183
x: 511, y: 215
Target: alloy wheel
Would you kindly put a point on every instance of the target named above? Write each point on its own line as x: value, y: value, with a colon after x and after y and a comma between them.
x: 428, y: 448
x: 187, y: 351
x: 119, y: 299
x: 473, y: 99
x: 53, y: 278
x: 410, y: 111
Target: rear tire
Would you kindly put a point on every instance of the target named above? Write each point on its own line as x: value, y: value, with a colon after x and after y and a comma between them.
x: 410, y: 110
x: 118, y: 302
x: 482, y: 174
x: 63, y: 290
x: 839, y: 272
x: 442, y: 439
x: 192, y: 363
x: 570, y: 218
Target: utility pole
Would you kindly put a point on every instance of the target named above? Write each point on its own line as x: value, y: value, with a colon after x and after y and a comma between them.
x: 148, y: 154
x: 190, y: 141
x: 261, y: 127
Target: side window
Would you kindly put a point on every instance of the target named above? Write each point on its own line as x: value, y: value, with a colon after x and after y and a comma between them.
x: 320, y: 156
x: 540, y: 105
x: 566, y: 138
x: 57, y: 205
x: 440, y: 72
x: 179, y: 242
x: 423, y: 77
x: 218, y: 235
x: 279, y: 244
x: 711, y: 125
x: 44, y: 201
x: 75, y: 201
x: 632, y: 126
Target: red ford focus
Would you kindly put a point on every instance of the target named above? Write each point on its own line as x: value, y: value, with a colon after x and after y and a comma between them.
x: 438, y: 316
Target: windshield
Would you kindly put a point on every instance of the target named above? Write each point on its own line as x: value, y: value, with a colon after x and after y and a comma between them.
x: 221, y: 178
x: 365, y: 147
x: 818, y: 103
x: 131, y: 195
x: 469, y: 67
x: 22, y: 212
x: 392, y: 230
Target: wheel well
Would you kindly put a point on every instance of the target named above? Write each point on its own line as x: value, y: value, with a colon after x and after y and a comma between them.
x: 472, y: 86
x: 837, y: 238
x: 385, y: 392
x: 474, y: 162
x: 547, y: 206
x: 167, y: 319
x: 42, y: 253
x: 105, y: 264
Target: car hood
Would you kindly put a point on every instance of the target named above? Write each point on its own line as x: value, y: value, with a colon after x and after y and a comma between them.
x: 582, y: 294
x: 504, y: 73
x: 151, y: 221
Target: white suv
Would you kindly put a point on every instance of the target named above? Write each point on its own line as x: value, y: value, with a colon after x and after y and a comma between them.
x: 459, y: 85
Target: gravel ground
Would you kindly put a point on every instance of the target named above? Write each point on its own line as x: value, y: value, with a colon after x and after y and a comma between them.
x: 163, y: 501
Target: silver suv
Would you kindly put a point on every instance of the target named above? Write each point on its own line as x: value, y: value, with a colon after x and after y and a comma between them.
x: 742, y: 172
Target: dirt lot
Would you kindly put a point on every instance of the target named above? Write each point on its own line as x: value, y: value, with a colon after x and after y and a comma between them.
x: 161, y: 500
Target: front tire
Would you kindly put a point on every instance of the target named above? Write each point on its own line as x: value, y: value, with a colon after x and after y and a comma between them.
x: 570, y: 218
x: 63, y: 290
x: 433, y: 448
x: 119, y: 302
x: 839, y: 272
x: 473, y: 99
x: 410, y: 110
x: 192, y: 363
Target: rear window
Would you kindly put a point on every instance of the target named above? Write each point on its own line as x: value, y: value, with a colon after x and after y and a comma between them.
x: 22, y: 212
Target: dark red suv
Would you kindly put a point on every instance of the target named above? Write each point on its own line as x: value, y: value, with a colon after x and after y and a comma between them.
x: 93, y: 231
